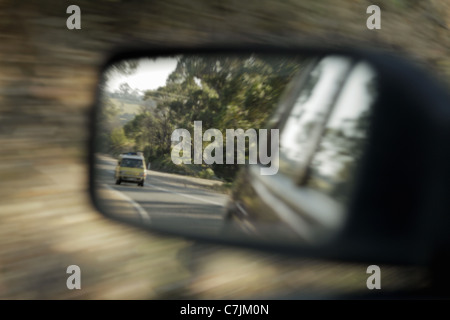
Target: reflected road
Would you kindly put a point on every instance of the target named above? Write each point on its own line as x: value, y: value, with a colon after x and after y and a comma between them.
x: 189, y: 202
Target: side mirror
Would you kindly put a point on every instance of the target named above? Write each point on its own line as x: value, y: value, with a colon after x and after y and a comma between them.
x: 336, y: 154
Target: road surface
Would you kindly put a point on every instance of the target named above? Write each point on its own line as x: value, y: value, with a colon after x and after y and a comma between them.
x: 166, y: 199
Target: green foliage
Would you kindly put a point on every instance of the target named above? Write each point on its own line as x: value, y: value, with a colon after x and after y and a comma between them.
x: 119, y: 142
x: 107, y: 122
x: 206, y: 174
x: 224, y: 92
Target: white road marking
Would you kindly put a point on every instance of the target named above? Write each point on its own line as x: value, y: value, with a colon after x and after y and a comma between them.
x: 144, y: 214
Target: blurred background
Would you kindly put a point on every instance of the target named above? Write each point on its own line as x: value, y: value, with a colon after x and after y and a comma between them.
x: 48, y: 82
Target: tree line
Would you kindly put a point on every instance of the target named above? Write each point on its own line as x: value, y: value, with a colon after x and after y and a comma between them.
x: 224, y: 92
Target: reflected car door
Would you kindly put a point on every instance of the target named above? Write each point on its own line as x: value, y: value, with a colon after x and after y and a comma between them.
x: 274, y: 199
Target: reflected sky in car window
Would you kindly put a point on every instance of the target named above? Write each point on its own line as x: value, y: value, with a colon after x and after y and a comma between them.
x: 333, y: 166
x: 310, y: 111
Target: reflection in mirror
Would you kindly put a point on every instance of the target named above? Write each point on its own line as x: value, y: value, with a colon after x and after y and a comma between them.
x: 345, y: 134
x: 304, y: 123
x: 182, y: 143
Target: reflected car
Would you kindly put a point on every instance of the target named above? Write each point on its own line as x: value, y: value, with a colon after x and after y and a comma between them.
x: 130, y: 168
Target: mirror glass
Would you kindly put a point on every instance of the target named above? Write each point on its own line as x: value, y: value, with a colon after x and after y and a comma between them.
x: 262, y: 146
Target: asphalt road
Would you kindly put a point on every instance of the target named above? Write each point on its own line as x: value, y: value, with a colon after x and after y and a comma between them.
x: 165, y: 200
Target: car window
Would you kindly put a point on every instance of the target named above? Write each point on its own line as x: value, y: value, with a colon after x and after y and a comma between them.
x: 132, y: 163
x: 332, y: 169
x: 309, y: 112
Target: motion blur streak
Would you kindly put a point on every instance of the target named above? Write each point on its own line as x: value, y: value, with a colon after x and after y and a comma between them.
x: 47, y: 83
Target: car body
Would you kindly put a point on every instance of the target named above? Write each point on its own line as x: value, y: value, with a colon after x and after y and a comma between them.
x: 130, y: 168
